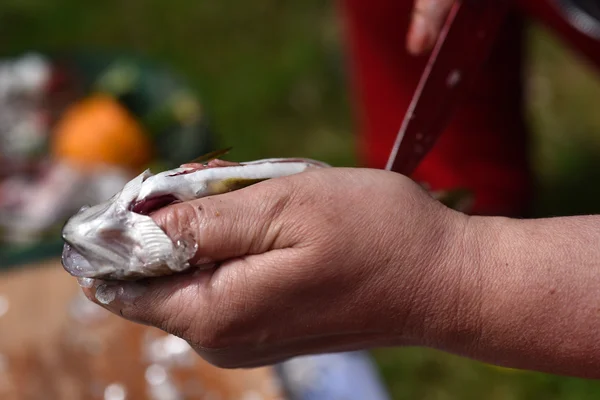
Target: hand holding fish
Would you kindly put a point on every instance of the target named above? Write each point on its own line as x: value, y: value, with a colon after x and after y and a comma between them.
x: 328, y: 259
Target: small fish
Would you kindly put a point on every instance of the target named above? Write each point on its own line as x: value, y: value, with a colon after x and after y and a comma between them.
x: 118, y: 240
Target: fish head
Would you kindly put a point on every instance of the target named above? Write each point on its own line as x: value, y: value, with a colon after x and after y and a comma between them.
x: 110, y: 241
x: 119, y: 240
x: 94, y: 242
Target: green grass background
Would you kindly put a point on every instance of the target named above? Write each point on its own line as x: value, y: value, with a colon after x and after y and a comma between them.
x: 271, y: 76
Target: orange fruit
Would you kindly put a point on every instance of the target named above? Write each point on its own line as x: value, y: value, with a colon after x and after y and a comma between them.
x: 98, y: 130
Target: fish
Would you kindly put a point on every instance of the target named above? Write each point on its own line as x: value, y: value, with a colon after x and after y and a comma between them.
x: 118, y: 239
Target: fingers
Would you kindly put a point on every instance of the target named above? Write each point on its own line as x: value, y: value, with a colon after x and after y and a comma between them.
x: 178, y: 304
x: 189, y: 307
x: 230, y: 225
x: 251, y: 355
x: 427, y: 21
x: 211, y: 309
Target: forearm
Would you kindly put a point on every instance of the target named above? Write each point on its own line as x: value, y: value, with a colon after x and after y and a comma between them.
x: 529, y: 296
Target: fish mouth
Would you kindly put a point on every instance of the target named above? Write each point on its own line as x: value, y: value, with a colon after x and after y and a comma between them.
x: 104, y: 251
x: 75, y: 263
x: 152, y: 204
x: 71, y: 258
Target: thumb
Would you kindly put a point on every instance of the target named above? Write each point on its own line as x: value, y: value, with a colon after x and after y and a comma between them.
x: 426, y: 23
x: 234, y: 224
x: 196, y: 305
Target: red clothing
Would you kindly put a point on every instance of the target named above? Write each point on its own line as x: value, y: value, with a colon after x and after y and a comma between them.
x: 485, y: 146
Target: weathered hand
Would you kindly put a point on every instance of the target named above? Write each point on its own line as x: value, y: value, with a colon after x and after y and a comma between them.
x: 327, y: 260
x: 426, y: 23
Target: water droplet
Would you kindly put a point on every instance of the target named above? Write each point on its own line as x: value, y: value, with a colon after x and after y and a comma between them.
x: 453, y: 78
x: 115, y: 391
x: 419, y: 136
x: 187, y: 246
x: 106, y: 294
x: 85, y: 282
x: 3, y: 305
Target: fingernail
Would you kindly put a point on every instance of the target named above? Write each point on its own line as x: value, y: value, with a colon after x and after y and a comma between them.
x: 186, y: 246
x: 420, y: 38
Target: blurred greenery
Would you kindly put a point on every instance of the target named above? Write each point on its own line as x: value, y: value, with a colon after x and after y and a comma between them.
x: 268, y: 71
x: 563, y: 93
x: 271, y: 76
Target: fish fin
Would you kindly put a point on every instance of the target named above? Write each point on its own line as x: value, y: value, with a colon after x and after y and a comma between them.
x: 231, y: 184
x: 210, y: 156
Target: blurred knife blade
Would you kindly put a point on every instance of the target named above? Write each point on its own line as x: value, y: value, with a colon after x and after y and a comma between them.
x: 462, y: 47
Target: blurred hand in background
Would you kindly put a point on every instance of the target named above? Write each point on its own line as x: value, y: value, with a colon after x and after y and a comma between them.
x: 426, y: 23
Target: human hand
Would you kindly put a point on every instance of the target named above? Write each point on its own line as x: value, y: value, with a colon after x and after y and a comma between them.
x: 326, y: 260
x: 426, y: 23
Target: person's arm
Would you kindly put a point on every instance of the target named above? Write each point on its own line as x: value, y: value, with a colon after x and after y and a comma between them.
x: 343, y: 259
x: 530, y: 295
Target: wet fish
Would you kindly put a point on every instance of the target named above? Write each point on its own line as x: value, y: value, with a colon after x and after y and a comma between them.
x: 118, y: 240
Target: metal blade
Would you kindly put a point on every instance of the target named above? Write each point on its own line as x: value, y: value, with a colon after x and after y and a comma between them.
x: 463, y: 46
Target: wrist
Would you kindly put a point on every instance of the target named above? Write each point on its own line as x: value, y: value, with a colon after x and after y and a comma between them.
x: 429, y: 289
x: 446, y: 308
x: 458, y: 309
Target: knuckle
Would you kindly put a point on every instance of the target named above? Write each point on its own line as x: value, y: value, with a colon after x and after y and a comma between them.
x: 279, y: 195
x: 194, y: 220
x: 175, y: 218
x: 266, y: 218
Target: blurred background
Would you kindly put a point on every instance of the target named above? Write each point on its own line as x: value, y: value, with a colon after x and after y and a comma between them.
x: 266, y: 77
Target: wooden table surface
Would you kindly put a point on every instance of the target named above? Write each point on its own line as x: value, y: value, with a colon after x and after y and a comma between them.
x: 56, y: 345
